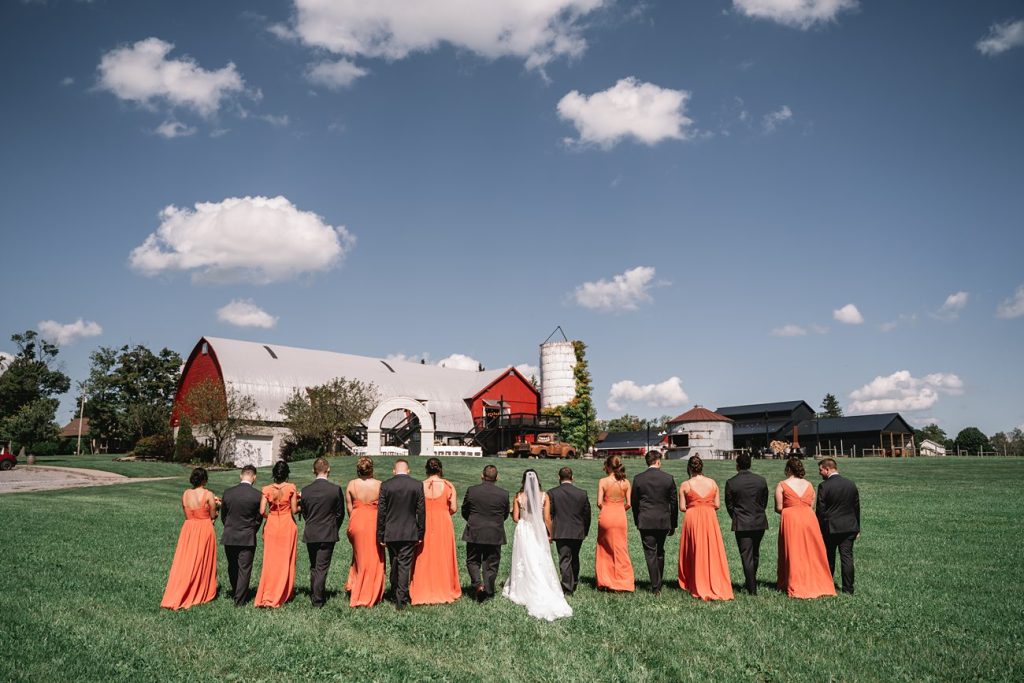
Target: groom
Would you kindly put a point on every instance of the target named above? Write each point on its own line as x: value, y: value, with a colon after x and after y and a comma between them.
x: 485, y: 509
x: 570, y: 518
x: 401, y: 523
x: 838, y: 511
x: 655, y: 504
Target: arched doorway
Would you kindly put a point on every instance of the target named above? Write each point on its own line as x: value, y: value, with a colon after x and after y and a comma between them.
x: 400, y: 403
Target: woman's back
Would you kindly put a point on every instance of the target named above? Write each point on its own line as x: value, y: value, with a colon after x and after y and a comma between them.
x: 279, y: 497
x: 365, y: 491
x: 615, y: 490
x: 797, y: 493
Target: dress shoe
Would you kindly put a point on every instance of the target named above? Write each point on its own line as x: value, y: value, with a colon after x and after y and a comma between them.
x: 400, y: 606
x: 481, y: 593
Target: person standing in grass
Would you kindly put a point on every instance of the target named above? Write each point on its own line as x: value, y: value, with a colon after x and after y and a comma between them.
x: 803, y: 567
x: 435, y: 574
x: 570, y: 524
x: 746, y: 499
x: 323, y: 508
x: 612, y: 566
x: 838, y: 511
x: 655, y: 513
x: 279, y: 505
x: 240, y: 514
x: 365, y: 583
x: 703, y: 568
x: 485, y: 508
x: 193, y: 577
x: 401, y: 523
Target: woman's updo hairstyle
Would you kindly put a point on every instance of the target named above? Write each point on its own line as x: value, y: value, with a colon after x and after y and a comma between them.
x: 433, y: 467
x: 613, y: 466
x: 795, y: 467
x: 198, y: 477
x: 280, y: 472
x: 695, y: 465
x: 364, y: 466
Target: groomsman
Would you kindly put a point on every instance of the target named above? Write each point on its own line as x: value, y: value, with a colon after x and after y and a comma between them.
x: 746, y: 498
x: 240, y: 513
x: 401, y: 523
x: 322, y: 505
x: 838, y: 510
x: 655, y: 504
x: 570, y: 521
x: 485, y: 509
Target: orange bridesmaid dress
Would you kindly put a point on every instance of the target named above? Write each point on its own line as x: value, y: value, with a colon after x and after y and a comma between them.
x: 613, y: 568
x: 435, y: 574
x: 280, y: 537
x: 366, y: 575
x: 703, y: 569
x: 803, y: 565
x: 193, y: 578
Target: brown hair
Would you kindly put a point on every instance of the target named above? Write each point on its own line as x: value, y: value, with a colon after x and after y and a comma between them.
x: 795, y: 467
x: 694, y: 465
x: 565, y: 474
x: 829, y: 463
x: 613, y: 465
x: 433, y: 466
x: 321, y: 466
x: 490, y: 473
x: 364, y: 467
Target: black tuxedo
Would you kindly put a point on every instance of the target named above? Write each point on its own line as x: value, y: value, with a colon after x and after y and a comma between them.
x: 323, y: 507
x: 401, y: 523
x: 485, y: 508
x: 655, y: 504
x: 838, y: 510
x: 746, y: 497
x: 570, y: 521
x: 240, y: 513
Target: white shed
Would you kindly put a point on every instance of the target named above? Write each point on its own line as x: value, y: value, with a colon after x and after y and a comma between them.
x: 702, y: 432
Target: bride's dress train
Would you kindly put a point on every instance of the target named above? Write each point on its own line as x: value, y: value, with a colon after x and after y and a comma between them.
x: 533, y: 580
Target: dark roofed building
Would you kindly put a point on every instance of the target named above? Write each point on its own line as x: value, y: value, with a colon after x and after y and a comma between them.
x: 881, y: 434
x: 757, y: 424
x: 628, y: 444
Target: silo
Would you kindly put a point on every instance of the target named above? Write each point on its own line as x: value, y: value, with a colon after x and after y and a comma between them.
x: 557, y: 384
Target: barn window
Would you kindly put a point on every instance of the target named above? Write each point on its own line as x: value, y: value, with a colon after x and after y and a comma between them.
x: 270, y: 351
x: 206, y: 348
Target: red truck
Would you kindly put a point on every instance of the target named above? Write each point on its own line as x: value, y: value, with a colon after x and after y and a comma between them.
x: 546, y: 446
x: 7, y: 459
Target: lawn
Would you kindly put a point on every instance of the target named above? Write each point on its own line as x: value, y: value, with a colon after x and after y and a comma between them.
x: 939, y: 576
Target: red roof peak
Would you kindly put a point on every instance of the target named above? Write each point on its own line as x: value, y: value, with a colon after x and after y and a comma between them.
x: 699, y: 414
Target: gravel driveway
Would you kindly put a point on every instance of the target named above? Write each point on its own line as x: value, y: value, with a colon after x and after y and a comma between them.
x: 41, y: 478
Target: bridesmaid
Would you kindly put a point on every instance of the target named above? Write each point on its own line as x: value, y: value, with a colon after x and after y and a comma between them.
x: 193, y: 578
x: 703, y: 569
x: 613, y: 568
x: 365, y: 583
x: 435, y: 574
x: 803, y: 565
x: 279, y: 506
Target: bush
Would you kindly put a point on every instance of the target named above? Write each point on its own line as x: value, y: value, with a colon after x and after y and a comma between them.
x: 158, y: 446
x: 43, y: 448
x: 305, y: 449
x: 185, y: 445
x: 205, y: 454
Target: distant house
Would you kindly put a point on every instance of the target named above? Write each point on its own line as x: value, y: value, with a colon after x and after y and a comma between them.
x: 629, y: 444
x: 70, y: 430
x: 929, y: 447
x: 69, y: 436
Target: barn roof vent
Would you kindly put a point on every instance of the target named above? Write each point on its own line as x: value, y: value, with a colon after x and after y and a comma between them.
x: 270, y: 351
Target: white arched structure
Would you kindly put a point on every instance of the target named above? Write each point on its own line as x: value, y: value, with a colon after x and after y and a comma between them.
x: 400, y: 403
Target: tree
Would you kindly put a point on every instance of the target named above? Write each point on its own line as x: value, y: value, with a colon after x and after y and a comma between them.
x: 31, y: 425
x: 626, y: 423
x: 579, y: 417
x: 222, y: 413
x: 932, y: 432
x: 28, y: 389
x: 185, y: 444
x: 972, y: 440
x: 327, y: 412
x: 130, y: 393
x: 830, y: 407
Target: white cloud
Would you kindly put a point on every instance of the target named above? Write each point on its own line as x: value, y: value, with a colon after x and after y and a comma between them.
x: 244, y: 313
x: 143, y: 73
x: 67, y: 80
x: 1012, y: 307
x: 529, y: 370
x: 5, y: 360
x: 174, y: 129
x: 802, y: 14
x: 774, y: 119
x: 536, y: 31
x: 1001, y: 37
x: 335, y: 75
x: 256, y: 239
x: 848, y: 315
x: 630, y: 108
x: 819, y: 329
x: 789, y: 331
x: 624, y: 292
x: 901, y: 391
x: 403, y: 358
x: 458, y: 361
x: 663, y: 395
x: 950, y: 310
x: 68, y: 333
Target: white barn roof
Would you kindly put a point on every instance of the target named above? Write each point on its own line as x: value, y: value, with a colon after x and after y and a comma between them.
x: 271, y: 374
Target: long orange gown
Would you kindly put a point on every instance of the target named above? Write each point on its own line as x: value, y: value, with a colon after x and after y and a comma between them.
x: 193, y: 578
x: 435, y: 575
x: 613, y: 568
x: 803, y: 565
x: 366, y: 575
x: 280, y: 538
x: 703, y: 569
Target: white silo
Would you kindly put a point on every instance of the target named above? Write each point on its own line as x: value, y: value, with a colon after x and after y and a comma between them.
x: 557, y: 383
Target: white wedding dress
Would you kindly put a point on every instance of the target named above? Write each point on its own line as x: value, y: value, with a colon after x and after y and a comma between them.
x: 533, y: 580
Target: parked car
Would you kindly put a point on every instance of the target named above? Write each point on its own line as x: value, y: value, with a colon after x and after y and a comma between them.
x: 7, y: 459
x: 546, y: 446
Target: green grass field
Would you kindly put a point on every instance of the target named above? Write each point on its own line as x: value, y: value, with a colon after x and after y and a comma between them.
x: 939, y: 595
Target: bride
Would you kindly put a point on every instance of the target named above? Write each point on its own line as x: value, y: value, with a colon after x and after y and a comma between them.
x: 533, y: 581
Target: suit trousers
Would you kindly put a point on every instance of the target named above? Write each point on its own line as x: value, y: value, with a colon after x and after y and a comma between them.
x: 653, y: 541
x: 749, y: 543
x: 482, y: 563
x: 844, y: 543
x: 240, y: 570
x: 319, y: 563
x: 402, y: 555
x: 569, y: 562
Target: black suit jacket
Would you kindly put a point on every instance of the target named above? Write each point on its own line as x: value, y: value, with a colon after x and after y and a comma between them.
x: 838, y: 506
x: 655, y: 500
x: 485, y: 509
x: 746, y: 498
x: 570, y: 512
x: 323, y: 507
x: 401, y: 510
x: 240, y: 513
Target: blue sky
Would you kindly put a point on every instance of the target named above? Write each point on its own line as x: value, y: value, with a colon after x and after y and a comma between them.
x: 697, y: 190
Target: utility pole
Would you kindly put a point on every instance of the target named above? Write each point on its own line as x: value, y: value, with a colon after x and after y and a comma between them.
x: 81, y: 415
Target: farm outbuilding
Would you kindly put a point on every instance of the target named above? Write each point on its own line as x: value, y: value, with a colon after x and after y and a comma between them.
x: 702, y: 432
x: 420, y: 404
